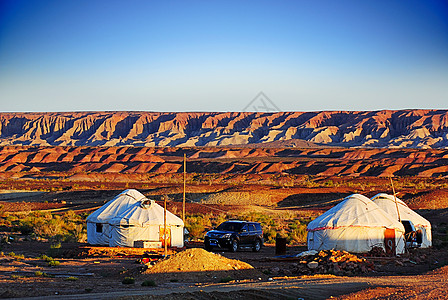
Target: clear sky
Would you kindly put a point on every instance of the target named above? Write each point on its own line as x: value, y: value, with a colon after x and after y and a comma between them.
x: 81, y: 55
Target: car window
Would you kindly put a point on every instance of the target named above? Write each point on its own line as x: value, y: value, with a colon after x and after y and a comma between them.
x: 252, y: 227
x: 258, y: 226
x: 230, y: 226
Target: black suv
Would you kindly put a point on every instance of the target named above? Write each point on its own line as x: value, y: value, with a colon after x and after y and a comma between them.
x: 235, y: 234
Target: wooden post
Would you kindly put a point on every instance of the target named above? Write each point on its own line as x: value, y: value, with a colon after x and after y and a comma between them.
x: 185, y: 176
x: 395, y: 198
x: 164, y: 227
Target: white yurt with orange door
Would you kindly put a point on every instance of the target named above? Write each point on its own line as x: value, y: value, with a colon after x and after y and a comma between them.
x: 387, y: 203
x: 356, y: 225
x: 144, y: 221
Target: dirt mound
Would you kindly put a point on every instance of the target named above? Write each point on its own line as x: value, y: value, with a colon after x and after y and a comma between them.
x: 439, y: 271
x: 197, y: 264
x: 197, y: 260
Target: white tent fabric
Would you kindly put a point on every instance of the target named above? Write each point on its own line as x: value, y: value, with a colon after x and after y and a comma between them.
x: 387, y: 203
x: 98, y: 228
x: 130, y: 217
x: 355, y: 225
x: 143, y: 221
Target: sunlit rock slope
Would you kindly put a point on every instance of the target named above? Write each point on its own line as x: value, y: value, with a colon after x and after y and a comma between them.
x: 377, y: 129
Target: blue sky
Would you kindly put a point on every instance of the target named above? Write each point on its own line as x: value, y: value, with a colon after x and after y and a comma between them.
x: 86, y: 55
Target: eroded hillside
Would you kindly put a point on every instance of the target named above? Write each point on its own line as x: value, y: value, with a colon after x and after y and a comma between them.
x: 27, y: 160
x: 392, y: 129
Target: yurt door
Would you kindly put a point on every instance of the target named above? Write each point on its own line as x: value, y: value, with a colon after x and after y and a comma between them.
x: 389, y: 241
x: 162, y: 231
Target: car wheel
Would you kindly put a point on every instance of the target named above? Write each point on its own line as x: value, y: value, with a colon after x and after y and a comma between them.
x: 208, y: 247
x: 234, y: 246
x: 257, y: 246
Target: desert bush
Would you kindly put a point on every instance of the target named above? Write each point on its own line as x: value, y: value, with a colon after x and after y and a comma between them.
x: 71, y: 278
x: 68, y: 227
x: 149, y: 283
x: 219, y: 219
x: 46, y: 258
x: 198, y: 224
x: 269, y: 235
x: 79, y: 233
x: 128, y: 280
x: 54, y: 263
x: 196, y: 231
x: 297, y: 232
x: 16, y: 256
x: 226, y: 279
x: 50, y: 260
x: 49, y: 227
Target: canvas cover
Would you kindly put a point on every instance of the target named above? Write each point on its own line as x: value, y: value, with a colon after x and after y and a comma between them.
x: 98, y: 227
x: 144, y: 220
x: 130, y: 217
x: 387, y: 203
x: 355, y: 225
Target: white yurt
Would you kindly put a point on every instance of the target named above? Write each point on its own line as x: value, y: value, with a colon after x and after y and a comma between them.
x: 387, y: 203
x: 144, y: 221
x: 98, y: 228
x: 356, y: 225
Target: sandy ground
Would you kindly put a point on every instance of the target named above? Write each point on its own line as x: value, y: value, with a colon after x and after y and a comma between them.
x: 101, y: 278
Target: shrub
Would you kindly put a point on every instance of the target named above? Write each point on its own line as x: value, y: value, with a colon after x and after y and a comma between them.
x: 46, y: 258
x: 71, y: 278
x: 68, y: 227
x: 50, y: 260
x: 16, y: 256
x: 128, y: 280
x: 269, y: 235
x: 149, y: 283
x: 196, y: 231
x: 298, y: 233
x: 54, y: 263
x: 226, y: 279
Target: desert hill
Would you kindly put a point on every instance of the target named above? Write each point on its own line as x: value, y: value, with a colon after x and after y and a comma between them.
x: 29, y: 160
x: 377, y: 129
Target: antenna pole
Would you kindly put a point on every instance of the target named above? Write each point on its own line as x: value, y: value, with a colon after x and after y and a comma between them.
x: 185, y: 176
x: 395, y: 198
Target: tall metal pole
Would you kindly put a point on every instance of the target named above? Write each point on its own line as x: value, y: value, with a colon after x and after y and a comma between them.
x: 164, y: 227
x: 395, y: 198
x: 185, y: 178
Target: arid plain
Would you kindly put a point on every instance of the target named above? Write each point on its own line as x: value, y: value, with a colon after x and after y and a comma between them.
x: 282, y: 180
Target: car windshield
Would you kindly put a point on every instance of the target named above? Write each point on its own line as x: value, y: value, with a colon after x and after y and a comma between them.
x: 230, y: 226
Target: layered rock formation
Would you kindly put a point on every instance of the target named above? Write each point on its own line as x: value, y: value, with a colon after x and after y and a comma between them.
x: 377, y: 129
x: 30, y: 162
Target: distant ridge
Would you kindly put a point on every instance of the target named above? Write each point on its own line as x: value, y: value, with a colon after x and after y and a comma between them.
x: 292, y: 143
x: 372, y: 129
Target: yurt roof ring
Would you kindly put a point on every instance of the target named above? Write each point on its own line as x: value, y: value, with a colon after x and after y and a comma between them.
x: 146, y: 203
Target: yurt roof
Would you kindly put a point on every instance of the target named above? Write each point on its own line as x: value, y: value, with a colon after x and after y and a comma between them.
x: 384, y: 196
x: 387, y: 203
x: 117, y: 205
x: 354, y: 211
x: 146, y: 213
